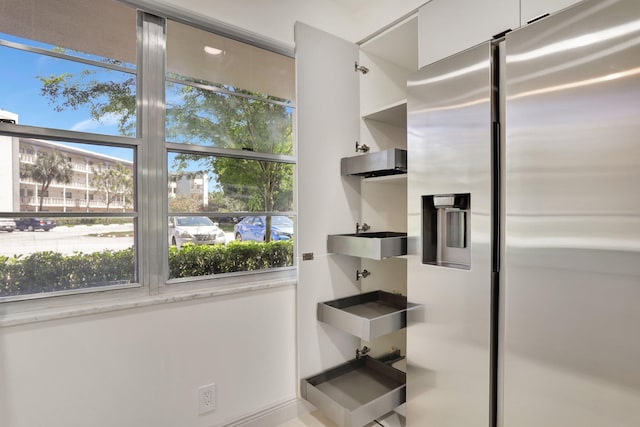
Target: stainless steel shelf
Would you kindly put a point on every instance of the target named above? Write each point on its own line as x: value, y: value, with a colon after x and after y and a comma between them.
x: 357, y: 392
x: 374, y: 245
x: 380, y: 163
x: 367, y: 316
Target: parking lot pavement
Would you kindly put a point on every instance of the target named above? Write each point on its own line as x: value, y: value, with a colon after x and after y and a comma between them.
x: 66, y: 240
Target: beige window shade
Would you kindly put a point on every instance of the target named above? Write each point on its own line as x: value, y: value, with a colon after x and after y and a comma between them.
x: 239, y: 64
x: 99, y: 27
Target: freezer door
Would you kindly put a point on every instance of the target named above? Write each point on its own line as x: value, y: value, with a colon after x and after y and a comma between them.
x: 572, y: 292
x: 449, y: 185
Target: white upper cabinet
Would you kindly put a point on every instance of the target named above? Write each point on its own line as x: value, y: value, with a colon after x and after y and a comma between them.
x: 532, y: 9
x: 390, y: 57
x: 450, y: 26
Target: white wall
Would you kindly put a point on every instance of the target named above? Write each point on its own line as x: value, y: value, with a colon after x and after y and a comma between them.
x: 142, y: 367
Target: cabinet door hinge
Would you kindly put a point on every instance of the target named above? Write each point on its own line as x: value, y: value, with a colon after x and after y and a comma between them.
x: 361, y: 68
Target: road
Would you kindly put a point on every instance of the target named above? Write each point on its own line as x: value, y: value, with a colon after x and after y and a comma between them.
x: 67, y: 240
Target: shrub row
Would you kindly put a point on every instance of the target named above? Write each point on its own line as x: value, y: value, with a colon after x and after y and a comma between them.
x: 201, y: 260
x: 52, y: 271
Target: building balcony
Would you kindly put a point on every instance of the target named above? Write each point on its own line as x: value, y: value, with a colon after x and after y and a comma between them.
x: 60, y: 203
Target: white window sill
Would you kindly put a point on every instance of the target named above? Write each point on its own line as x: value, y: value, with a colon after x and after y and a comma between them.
x: 49, y: 314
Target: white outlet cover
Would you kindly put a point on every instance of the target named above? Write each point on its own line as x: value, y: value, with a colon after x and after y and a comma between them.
x: 206, y: 398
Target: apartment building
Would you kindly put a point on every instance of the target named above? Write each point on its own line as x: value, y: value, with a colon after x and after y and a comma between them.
x: 84, y: 193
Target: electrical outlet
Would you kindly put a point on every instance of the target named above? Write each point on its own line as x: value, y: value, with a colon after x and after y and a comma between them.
x: 206, y: 398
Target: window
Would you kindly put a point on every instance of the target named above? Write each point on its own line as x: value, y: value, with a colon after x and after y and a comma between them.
x: 78, y: 142
x: 71, y: 228
x: 229, y: 131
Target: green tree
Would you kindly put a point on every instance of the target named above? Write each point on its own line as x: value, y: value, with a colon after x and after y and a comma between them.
x: 49, y: 167
x: 232, y: 118
x: 103, y: 98
x: 235, y: 119
x: 185, y: 203
x: 114, y: 182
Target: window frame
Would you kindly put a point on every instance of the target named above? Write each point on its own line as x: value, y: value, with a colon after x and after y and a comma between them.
x: 151, y: 177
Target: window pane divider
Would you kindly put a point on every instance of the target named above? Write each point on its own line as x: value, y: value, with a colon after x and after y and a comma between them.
x: 211, y: 88
x: 238, y: 213
x: 153, y: 246
x: 60, y: 55
x: 228, y: 152
x: 76, y: 214
x: 24, y: 131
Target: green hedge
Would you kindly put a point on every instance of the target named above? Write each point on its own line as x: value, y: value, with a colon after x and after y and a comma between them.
x: 201, y: 260
x: 52, y: 271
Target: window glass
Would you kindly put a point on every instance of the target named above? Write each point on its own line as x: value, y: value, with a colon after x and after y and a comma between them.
x: 201, y: 56
x: 43, y: 84
x: 77, y: 27
x: 228, y: 119
x: 57, y: 93
x: 201, y: 183
x: 42, y: 255
x: 69, y: 216
x: 203, y: 246
x: 223, y: 93
x: 48, y: 176
x: 49, y: 245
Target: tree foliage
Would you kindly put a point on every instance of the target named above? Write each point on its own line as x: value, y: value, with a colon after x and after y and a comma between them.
x: 113, y: 182
x: 105, y: 99
x: 235, y: 119
x: 230, y: 118
x: 49, y: 167
x: 238, y: 121
x: 185, y: 203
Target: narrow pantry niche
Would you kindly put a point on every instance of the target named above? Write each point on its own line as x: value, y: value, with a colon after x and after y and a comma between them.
x: 360, y: 308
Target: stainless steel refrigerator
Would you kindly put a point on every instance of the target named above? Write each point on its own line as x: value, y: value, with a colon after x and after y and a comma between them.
x: 524, y: 227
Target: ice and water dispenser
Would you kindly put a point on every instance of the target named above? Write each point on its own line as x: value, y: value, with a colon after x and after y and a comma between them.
x: 446, y: 230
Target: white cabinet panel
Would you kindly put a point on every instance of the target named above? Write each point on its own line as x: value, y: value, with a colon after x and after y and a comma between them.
x: 531, y: 9
x: 328, y: 127
x: 446, y: 27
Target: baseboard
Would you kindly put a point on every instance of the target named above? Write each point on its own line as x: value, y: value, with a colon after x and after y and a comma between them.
x: 274, y: 415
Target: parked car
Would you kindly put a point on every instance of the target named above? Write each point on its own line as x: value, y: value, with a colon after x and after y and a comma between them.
x: 254, y: 227
x: 7, y: 224
x: 32, y: 224
x: 198, y: 230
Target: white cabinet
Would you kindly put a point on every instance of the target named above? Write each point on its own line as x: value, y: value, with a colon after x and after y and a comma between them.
x: 450, y: 26
x: 531, y: 9
x: 338, y: 106
x: 391, y: 58
x: 327, y: 122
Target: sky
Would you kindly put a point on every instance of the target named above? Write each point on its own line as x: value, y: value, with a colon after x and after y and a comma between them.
x: 20, y: 94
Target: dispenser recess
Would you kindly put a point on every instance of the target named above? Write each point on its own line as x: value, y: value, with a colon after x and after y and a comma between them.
x: 445, y: 230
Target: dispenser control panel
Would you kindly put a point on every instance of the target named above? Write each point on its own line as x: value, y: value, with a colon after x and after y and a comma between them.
x: 445, y: 230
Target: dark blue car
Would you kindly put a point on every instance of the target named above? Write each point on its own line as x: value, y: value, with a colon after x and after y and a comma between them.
x: 254, y: 227
x: 32, y: 224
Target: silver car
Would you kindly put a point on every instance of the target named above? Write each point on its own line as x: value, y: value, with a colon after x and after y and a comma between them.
x: 197, y: 230
x: 7, y: 224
